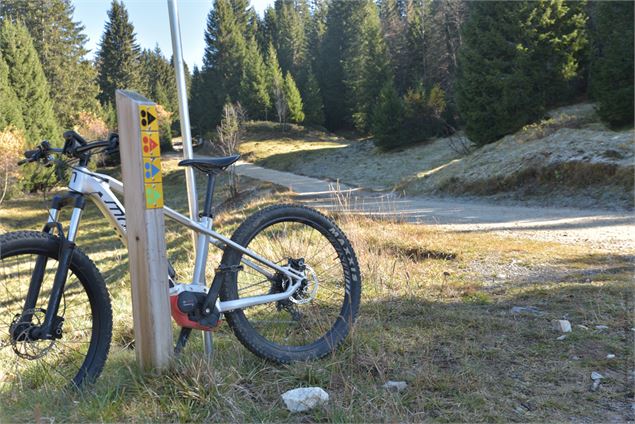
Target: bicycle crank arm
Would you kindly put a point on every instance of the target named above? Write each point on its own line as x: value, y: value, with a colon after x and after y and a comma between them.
x: 246, y: 302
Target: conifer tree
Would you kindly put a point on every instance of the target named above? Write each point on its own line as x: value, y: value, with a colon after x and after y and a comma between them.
x: 117, y: 60
x: 275, y: 82
x: 443, y: 22
x: 414, y: 67
x: 26, y: 78
x: 158, y: 79
x: 10, y: 109
x: 330, y: 69
x: 254, y: 90
x: 290, y: 37
x: 294, y: 100
x: 60, y: 43
x: 612, y: 63
x: 28, y: 82
x: 387, y: 118
x: 556, y: 33
x: 495, y: 94
x: 199, y: 114
x: 366, y: 65
x: 395, y: 32
x: 312, y: 101
x: 223, y: 60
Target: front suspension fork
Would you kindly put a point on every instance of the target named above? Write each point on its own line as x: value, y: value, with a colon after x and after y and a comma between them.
x: 67, y: 249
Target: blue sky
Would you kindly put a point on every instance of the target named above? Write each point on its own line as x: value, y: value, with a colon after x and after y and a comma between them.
x: 150, y: 20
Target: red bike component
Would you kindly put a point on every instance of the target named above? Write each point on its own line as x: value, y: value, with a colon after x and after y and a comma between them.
x: 183, y: 320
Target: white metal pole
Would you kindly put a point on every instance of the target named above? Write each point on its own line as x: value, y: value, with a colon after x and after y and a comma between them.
x: 186, y: 134
x: 184, y: 114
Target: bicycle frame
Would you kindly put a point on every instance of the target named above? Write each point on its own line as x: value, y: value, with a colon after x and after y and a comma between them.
x: 99, y: 188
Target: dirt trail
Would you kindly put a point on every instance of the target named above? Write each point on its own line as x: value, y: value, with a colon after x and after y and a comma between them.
x: 595, y: 228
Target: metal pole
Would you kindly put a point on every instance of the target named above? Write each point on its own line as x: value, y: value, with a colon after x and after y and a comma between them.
x: 186, y: 134
x: 184, y: 114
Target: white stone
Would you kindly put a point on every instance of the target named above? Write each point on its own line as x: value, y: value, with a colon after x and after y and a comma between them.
x: 583, y: 327
x: 304, y: 398
x: 602, y: 327
x: 596, y: 376
x: 562, y: 325
x: 397, y: 386
x: 610, y: 356
x: 562, y: 337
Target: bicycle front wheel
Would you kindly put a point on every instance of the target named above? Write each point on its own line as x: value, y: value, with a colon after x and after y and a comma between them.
x: 318, y: 317
x: 84, y: 319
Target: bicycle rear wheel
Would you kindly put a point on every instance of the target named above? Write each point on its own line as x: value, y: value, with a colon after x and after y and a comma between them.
x: 319, y: 316
x: 80, y: 352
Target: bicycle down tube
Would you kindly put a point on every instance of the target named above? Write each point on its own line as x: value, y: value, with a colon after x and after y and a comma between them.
x: 100, y: 187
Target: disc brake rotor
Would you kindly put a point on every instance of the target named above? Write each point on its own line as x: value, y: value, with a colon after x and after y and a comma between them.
x: 22, y: 343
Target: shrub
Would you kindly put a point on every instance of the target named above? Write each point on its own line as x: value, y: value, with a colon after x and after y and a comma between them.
x: 91, y: 127
x: 416, y: 117
x: 13, y: 145
x: 229, y: 136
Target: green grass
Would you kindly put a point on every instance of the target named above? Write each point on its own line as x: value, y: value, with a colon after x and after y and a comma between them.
x: 435, y: 313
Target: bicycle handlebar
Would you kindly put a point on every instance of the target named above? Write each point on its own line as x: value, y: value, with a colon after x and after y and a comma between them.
x: 74, y: 146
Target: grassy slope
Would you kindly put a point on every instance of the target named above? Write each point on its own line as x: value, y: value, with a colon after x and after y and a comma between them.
x: 435, y: 312
x: 566, y: 160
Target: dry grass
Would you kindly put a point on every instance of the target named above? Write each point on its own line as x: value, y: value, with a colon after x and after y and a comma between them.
x: 435, y: 313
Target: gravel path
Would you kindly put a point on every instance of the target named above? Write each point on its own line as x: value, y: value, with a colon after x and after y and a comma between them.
x: 595, y: 228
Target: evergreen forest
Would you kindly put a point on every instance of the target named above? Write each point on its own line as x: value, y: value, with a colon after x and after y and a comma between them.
x: 400, y: 71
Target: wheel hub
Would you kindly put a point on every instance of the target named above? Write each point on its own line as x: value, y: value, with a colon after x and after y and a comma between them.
x: 23, y: 329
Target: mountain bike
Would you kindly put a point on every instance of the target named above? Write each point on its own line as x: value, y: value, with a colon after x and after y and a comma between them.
x: 288, y: 283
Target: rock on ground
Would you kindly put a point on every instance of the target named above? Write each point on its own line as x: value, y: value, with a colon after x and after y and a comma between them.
x: 304, y: 398
x: 397, y: 386
x: 562, y: 325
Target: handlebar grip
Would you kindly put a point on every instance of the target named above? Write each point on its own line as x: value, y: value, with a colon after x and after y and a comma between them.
x: 30, y: 153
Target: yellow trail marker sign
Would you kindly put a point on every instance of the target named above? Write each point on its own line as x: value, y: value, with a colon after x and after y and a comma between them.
x: 148, y: 118
x: 151, y: 152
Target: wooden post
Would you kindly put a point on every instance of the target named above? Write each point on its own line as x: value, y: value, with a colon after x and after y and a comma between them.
x: 143, y: 200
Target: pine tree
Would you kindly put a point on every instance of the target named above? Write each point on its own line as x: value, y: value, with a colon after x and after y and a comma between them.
x: 330, y: 68
x: 60, y: 43
x: 443, y: 22
x: 366, y: 64
x: 117, y: 60
x: 495, y: 94
x: 10, y: 109
x: 290, y: 37
x: 294, y: 100
x: 198, y: 112
x: 395, y: 32
x: 557, y: 36
x: 275, y: 82
x: 267, y: 30
x: 612, y: 63
x: 387, y: 118
x: 254, y: 90
x: 223, y: 60
x: 158, y: 79
x: 312, y: 100
x: 28, y: 82
x: 414, y: 66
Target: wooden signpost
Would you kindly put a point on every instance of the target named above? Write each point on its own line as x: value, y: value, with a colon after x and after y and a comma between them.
x: 143, y: 200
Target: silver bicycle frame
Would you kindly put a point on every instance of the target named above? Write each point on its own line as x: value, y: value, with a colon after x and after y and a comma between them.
x: 99, y: 188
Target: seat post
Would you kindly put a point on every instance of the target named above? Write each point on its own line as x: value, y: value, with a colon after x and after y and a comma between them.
x: 207, y: 208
